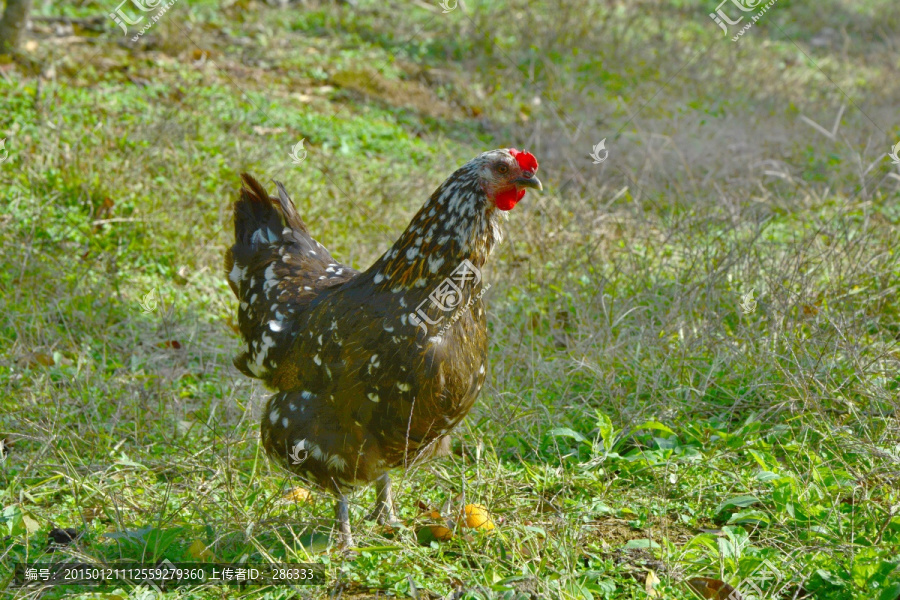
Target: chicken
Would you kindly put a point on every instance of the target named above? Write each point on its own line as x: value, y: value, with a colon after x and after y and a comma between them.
x: 372, y: 369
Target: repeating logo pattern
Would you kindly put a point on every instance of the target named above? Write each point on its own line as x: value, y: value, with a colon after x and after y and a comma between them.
x: 150, y: 301
x: 748, y: 304
x: 894, y: 154
x: 298, y: 453
x: 448, y: 296
x: 596, y: 153
x: 298, y: 152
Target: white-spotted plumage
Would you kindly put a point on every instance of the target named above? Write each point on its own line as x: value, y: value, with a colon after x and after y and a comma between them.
x: 363, y: 388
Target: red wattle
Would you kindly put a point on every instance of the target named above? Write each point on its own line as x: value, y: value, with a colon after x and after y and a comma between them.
x: 508, y: 199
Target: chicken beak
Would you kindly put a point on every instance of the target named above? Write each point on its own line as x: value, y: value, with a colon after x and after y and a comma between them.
x: 529, y: 182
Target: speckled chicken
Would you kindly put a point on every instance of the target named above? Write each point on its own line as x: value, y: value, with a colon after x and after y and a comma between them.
x: 372, y: 369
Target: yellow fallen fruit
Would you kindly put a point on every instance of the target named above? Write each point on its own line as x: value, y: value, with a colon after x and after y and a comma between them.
x: 440, y: 532
x: 297, y: 494
x: 433, y: 533
x: 478, y: 517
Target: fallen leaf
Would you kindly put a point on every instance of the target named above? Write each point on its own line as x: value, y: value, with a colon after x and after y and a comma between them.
x: 35, y: 359
x: 713, y: 589
x: 31, y: 526
x: 650, y: 584
x: 200, y: 551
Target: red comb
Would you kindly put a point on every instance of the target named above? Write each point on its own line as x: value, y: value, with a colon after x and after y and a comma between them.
x: 526, y: 160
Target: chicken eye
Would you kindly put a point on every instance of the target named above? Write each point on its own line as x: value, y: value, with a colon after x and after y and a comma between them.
x: 503, y: 169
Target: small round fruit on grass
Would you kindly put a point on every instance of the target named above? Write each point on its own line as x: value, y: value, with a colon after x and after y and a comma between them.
x: 478, y: 517
x: 433, y: 533
x: 439, y: 531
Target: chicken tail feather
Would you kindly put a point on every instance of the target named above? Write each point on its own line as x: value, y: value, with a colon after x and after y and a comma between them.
x: 274, y: 268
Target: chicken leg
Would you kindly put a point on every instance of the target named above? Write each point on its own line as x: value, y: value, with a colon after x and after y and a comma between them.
x: 342, y: 516
x: 383, y: 513
x: 384, y: 502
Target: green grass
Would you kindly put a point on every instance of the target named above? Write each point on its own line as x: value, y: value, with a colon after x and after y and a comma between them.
x: 638, y: 429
